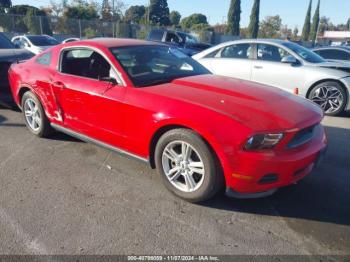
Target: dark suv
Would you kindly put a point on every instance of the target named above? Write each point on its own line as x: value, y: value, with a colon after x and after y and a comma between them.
x: 185, y: 42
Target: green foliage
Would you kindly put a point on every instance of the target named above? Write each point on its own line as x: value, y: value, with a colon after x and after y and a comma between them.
x: 193, y: 20
x: 159, y: 12
x: 81, y: 10
x: 253, y: 28
x: 315, y: 23
x: 270, y: 27
x: 175, y: 18
x: 234, y: 18
x: 135, y: 14
x: 90, y: 32
x: 306, y: 29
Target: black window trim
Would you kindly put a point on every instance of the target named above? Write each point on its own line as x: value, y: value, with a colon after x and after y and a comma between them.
x: 119, y: 79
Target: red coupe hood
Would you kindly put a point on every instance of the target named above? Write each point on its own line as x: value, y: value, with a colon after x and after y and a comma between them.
x: 257, y: 106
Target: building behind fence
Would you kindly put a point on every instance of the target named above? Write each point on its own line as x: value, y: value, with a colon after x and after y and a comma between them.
x: 61, y: 27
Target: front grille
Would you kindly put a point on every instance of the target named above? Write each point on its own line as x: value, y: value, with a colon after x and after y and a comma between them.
x: 302, y: 137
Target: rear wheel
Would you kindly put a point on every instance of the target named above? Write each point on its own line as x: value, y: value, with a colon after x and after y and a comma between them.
x: 330, y: 96
x: 34, y: 115
x: 187, y: 166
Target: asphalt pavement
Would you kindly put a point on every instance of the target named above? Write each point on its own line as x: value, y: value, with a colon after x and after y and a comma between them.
x: 63, y: 196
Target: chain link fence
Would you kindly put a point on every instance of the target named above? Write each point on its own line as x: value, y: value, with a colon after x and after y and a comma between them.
x: 61, y: 27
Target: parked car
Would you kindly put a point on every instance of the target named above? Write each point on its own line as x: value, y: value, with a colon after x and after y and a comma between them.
x: 336, y: 54
x: 152, y: 102
x: 285, y: 65
x: 185, y: 42
x: 34, y: 43
x: 72, y: 39
x: 8, y: 55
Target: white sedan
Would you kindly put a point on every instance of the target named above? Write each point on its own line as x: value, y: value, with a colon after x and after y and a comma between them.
x: 34, y: 43
x: 285, y: 65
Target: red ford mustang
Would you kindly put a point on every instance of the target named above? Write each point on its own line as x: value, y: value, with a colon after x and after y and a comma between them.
x: 153, y: 103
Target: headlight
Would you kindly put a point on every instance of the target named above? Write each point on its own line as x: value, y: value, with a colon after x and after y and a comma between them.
x: 263, y: 141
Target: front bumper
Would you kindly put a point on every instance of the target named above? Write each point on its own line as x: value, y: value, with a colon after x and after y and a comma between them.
x: 261, y: 173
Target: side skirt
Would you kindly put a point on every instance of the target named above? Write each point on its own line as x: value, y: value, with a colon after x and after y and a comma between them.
x: 98, y: 143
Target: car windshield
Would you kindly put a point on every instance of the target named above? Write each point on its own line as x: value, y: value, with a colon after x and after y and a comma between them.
x: 5, y: 43
x: 42, y: 40
x: 304, y: 53
x: 152, y: 65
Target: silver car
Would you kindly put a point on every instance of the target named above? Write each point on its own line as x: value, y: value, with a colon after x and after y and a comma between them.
x: 285, y: 65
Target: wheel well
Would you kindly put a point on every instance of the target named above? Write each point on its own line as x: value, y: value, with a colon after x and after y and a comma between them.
x: 326, y: 80
x: 155, y: 138
x: 21, y: 92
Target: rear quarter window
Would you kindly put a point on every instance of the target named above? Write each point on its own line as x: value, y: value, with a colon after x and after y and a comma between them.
x: 44, y: 59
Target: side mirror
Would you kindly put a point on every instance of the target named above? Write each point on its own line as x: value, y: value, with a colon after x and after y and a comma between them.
x: 111, y: 80
x: 289, y: 60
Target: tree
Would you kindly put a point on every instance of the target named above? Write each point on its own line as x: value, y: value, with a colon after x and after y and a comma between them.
x: 234, y: 18
x: 106, y: 11
x: 306, y: 29
x: 295, y: 33
x: 285, y: 32
x: 270, y: 27
x: 159, y: 12
x: 135, y: 14
x: 175, y: 18
x: 81, y: 10
x: 315, y: 23
x: 324, y: 25
x: 193, y: 20
x: 253, y: 28
x: 34, y: 21
x: 5, y: 5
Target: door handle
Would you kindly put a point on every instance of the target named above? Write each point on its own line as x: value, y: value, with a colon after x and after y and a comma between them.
x: 258, y: 67
x: 59, y: 84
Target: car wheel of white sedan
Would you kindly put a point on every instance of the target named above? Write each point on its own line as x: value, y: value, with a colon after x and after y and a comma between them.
x: 187, y: 166
x: 330, y: 96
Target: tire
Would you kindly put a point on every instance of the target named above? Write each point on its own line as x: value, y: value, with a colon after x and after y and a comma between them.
x: 322, y: 95
x: 40, y: 125
x: 202, y: 166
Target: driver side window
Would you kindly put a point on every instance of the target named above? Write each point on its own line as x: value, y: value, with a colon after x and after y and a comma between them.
x: 271, y: 53
x: 86, y: 63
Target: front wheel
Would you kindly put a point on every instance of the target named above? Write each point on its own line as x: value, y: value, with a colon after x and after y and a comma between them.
x: 330, y: 96
x: 187, y: 165
x: 34, y: 115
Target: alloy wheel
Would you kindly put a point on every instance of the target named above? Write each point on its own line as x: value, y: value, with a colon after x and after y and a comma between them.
x: 329, y: 98
x: 32, y: 114
x: 183, y: 166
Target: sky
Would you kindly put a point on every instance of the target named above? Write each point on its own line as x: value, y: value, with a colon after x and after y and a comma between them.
x: 292, y: 12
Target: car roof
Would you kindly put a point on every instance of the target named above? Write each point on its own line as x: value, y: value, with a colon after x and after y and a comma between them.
x: 113, y: 42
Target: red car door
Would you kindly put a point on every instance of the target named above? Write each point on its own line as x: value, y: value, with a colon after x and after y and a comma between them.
x: 90, y: 106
